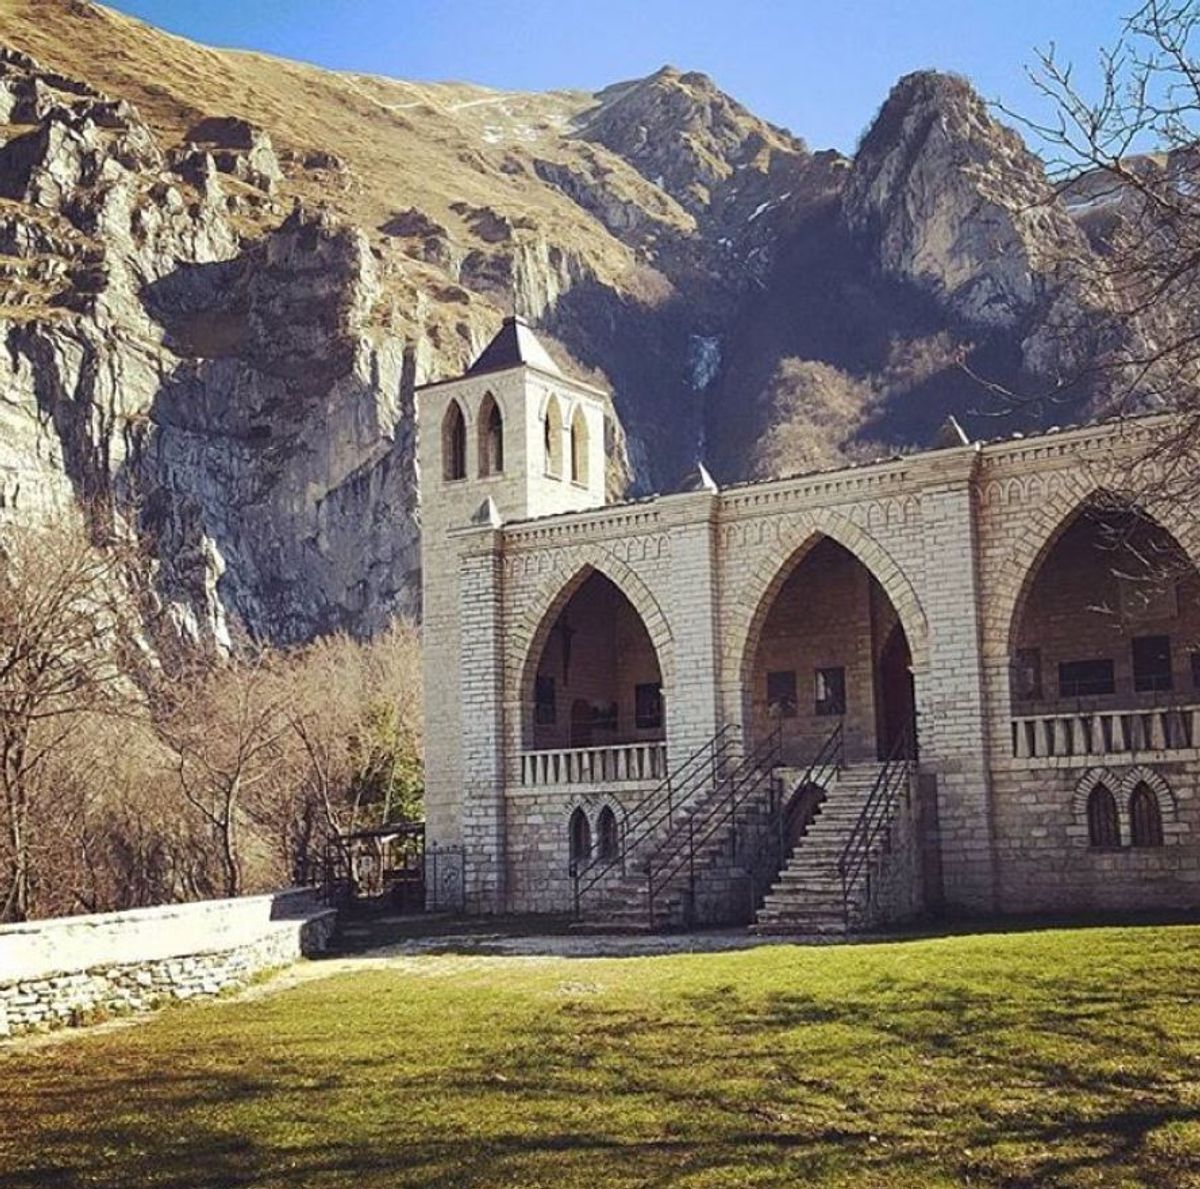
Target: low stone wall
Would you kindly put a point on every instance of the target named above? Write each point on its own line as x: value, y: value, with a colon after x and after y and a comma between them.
x: 75, y: 970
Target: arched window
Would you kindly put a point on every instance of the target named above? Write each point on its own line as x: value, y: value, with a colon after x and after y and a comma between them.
x: 1145, y: 817
x: 454, y: 443
x: 580, y: 838
x: 606, y: 830
x: 1103, y: 829
x: 552, y: 429
x: 491, y: 437
x: 579, y: 448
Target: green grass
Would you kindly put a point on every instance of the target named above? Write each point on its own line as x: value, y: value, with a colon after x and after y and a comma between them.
x: 1053, y: 1057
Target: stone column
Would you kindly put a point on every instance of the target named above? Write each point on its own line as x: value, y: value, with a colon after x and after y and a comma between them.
x: 692, y: 705
x: 950, y: 697
x: 481, y: 667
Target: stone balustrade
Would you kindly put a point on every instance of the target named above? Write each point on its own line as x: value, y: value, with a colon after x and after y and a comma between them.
x: 624, y: 762
x: 1080, y: 736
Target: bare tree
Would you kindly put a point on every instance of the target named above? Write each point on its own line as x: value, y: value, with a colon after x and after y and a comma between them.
x: 1126, y: 159
x: 62, y: 608
x: 227, y: 723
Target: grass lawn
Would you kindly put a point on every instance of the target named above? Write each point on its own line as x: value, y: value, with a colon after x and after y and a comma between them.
x: 1052, y: 1057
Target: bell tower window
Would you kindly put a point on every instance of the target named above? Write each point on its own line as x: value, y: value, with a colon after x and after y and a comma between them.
x: 454, y: 443
x: 579, y: 448
x: 553, y: 438
x: 491, y: 437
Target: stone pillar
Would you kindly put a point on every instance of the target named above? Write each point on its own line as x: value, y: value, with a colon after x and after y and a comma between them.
x: 950, y: 697
x: 481, y: 667
x: 693, y: 702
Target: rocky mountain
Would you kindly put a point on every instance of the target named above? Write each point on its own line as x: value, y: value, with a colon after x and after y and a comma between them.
x: 224, y: 274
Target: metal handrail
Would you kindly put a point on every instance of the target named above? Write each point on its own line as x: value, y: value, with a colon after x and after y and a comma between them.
x: 704, y: 767
x: 876, y: 816
x: 824, y: 766
x: 680, y: 847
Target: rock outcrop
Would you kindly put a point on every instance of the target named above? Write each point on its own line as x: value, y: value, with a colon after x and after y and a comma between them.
x: 223, y: 275
x: 230, y: 395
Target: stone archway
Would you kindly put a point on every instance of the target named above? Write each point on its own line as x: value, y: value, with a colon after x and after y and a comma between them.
x: 527, y: 640
x: 1104, y: 610
x: 758, y: 596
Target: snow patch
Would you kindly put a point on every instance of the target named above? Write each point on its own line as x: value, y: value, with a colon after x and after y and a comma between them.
x: 703, y: 360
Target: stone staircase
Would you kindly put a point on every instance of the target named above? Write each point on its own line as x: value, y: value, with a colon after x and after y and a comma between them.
x: 806, y: 898
x: 694, y: 868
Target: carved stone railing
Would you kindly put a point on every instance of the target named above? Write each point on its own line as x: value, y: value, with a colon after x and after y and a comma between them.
x: 1084, y: 734
x: 594, y: 765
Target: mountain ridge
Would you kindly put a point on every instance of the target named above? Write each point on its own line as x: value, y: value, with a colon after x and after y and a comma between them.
x: 226, y: 273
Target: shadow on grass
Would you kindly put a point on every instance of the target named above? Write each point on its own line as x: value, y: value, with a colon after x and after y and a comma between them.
x: 1042, y: 1074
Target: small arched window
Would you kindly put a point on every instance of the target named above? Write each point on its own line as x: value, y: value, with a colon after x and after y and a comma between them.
x: 579, y: 448
x: 606, y: 830
x: 1103, y: 829
x: 1145, y: 817
x: 552, y: 429
x: 580, y: 838
x: 491, y: 437
x: 454, y: 443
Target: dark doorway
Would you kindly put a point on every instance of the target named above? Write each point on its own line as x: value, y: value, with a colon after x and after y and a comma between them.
x: 581, y: 723
x: 896, y: 701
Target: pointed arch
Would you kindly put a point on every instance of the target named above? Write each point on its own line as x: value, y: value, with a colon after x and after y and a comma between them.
x: 1064, y: 504
x: 490, y: 446
x: 1040, y: 585
x: 608, y: 842
x: 528, y: 635
x: 579, y: 447
x: 1140, y: 774
x: 1145, y: 817
x: 454, y: 442
x: 796, y: 539
x: 1104, y: 826
x: 579, y: 837
x: 552, y: 437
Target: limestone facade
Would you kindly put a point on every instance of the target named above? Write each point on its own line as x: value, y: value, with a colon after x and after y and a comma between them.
x: 917, y: 573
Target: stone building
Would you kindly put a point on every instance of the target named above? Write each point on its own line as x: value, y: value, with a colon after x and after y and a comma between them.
x: 959, y: 681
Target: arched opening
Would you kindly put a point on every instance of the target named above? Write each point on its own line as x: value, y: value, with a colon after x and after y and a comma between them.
x: 1145, y: 817
x: 1110, y: 617
x: 579, y: 448
x: 454, y: 442
x: 552, y: 438
x: 607, y: 843
x: 579, y: 837
x: 491, y: 437
x: 831, y: 649
x: 598, y: 680
x: 1103, y: 828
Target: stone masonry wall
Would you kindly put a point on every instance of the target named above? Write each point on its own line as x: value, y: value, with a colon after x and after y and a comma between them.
x: 75, y: 970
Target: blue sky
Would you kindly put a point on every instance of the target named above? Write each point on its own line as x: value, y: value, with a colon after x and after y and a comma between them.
x: 820, y: 68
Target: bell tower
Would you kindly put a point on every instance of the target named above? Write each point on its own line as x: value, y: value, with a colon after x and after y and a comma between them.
x: 511, y: 439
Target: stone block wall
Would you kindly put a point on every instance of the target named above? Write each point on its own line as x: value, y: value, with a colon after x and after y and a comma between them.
x: 1044, y: 859
x: 75, y: 970
x: 538, y: 847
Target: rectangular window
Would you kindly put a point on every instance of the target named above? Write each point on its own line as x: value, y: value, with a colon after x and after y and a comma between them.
x: 1027, y: 675
x: 648, y: 706
x: 1081, y: 679
x: 604, y: 717
x: 1151, y: 663
x: 545, y: 705
x: 781, y: 693
x: 830, y: 691
x: 1196, y: 670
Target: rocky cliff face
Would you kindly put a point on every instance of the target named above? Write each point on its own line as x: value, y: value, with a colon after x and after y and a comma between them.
x: 223, y: 275
x: 226, y: 390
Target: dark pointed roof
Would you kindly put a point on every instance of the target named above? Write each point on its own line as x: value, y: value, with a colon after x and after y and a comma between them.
x: 515, y: 345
